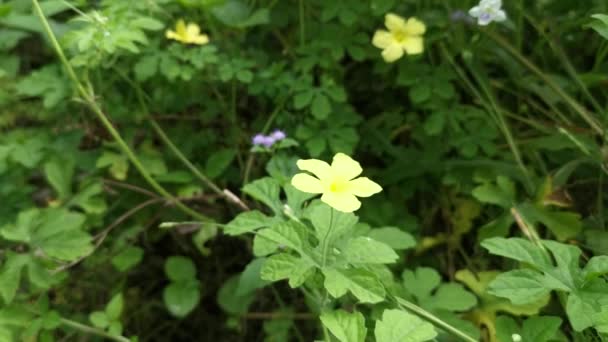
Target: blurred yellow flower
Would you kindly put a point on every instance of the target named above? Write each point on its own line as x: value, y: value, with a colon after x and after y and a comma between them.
x: 187, y: 34
x: 402, y: 36
x: 336, y: 182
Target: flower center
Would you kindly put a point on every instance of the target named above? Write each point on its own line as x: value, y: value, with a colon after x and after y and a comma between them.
x: 338, y: 186
x: 400, y: 36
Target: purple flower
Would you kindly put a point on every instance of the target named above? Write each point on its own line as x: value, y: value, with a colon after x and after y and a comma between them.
x: 258, y: 139
x: 278, y: 135
x: 268, y: 141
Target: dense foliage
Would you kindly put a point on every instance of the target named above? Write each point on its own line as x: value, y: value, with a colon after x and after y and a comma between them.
x: 161, y: 160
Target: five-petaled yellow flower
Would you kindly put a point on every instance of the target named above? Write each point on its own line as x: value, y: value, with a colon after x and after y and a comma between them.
x: 402, y: 36
x: 187, y: 34
x: 336, y: 182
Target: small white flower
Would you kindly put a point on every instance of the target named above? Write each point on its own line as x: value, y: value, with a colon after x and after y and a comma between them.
x: 516, y: 338
x: 488, y: 11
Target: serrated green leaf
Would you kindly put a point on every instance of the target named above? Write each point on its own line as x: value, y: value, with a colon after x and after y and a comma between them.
x: 365, y: 250
x: 345, y: 326
x: 451, y: 297
x: 59, y: 174
x: 363, y: 284
x: 180, y: 269
x: 519, y: 286
x: 400, y: 326
x: 10, y: 275
x: 286, y: 266
x: 265, y: 190
x: 518, y: 249
x: 288, y: 234
x: 421, y: 282
x: 596, y: 266
x: 247, y: 222
x: 393, y: 237
x: 263, y: 246
x: 330, y: 224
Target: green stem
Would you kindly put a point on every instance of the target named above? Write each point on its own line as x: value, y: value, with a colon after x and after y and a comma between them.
x: 502, y: 123
x: 167, y: 141
x: 325, y: 242
x: 90, y: 100
x: 93, y: 331
x: 433, y: 319
x: 552, y: 84
x: 567, y: 64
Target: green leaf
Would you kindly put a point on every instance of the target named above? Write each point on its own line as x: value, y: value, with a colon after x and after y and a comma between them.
x: 452, y: 297
x: 541, y: 328
x: 393, y: 237
x: 59, y: 174
x: 365, y: 250
x: 363, y: 284
x: 180, y: 269
x: 99, y: 319
x: 492, y: 194
x: 146, y: 67
x: 286, y: 266
x: 400, y: 326
x: 251, y: 279
x: 219, y: 161
x: 263, y: 246
x: 596, y: 266
x: 434, y: 124
x: 564, y: 225
x: 321, y: 107
x: 288, y: 234
x: 265, y: 190
x: 330, y: 224
x: 421, y: 282
x: 181, y: 297
x: 147, y: 23
x: 303, y: 99
x: 114, y: 307
x: 229, y: 301
x: 10, y: 275
x: 519, y: 286
x: 128, y: 258
x: 518, y: 249
x: 420, y: 93
x: 247, y: 222
x: 345, y: 326
x: 600, y: 25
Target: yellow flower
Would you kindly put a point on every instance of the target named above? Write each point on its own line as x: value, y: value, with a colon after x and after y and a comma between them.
x: 402, y: 36
x: 187, y: 34
x: 336, y: 182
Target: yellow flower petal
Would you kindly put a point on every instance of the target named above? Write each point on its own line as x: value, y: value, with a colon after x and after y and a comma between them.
x: 363, y: 187
x: 344, y: 202
x: 382, y: 39
x: 394, y: 22
x: 307, y: 183
x: 201, y: 39
x: 392, y: 53
x: 317, y: 167
x: 413, y: 45
x: 180, y: 29
x: 192, y: 30
x: 171, y: 35
x: 345, y: 167
x: 415, y: 27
